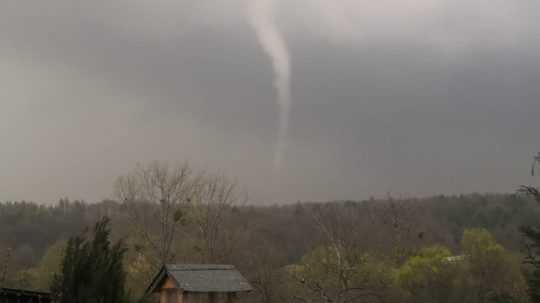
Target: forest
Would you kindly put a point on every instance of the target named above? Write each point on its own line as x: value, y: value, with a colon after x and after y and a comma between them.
x: 459, y: 248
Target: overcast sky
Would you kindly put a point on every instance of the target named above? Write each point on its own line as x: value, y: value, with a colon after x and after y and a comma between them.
x: 408, y: 97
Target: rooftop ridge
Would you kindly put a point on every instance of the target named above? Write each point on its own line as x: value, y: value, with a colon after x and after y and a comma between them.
x: 197, y: 267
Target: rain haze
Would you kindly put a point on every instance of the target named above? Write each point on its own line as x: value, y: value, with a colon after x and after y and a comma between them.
x: 357, y: 98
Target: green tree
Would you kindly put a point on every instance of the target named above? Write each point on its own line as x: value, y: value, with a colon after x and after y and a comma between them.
x: 92, y: 269
x: 140, y: 268
x: 429, y: 276
x: 42, y: 276
x: 494, y: 274
x: 322, y: 277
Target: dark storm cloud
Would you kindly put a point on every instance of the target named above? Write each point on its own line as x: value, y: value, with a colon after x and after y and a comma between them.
x: 420, y: 98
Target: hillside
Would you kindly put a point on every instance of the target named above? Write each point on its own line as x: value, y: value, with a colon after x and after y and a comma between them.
x: 257, y: 239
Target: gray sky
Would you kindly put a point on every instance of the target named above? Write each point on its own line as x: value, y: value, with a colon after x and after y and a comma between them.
x: 408, y: 97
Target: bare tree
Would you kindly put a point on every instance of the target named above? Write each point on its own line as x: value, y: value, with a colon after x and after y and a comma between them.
x: 330, y: 225
x: 5, y: 267
x: 172, y: 188
x: 267, y: 275
x: 400, y: 221
x: 214, y: 197
x: 346, y: 295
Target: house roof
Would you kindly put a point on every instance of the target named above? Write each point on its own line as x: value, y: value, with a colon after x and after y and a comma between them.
x: 23, y: 292
x: 202, y: 278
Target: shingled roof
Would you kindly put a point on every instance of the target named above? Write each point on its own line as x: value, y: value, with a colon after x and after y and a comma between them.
x: 202, y: 278
x: 22, y: 295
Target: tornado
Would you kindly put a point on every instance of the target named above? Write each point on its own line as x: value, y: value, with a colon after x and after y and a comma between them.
x: 272, y: 42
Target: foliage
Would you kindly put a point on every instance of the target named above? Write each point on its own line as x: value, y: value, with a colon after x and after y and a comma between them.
x: 483, y: 272
x: 321, y: 275
x: 92, y: 269
x: 140, y: 269
x: 267, y: 242
x: 42, y: 276
x: 430, y: 275
x: 493, y: 273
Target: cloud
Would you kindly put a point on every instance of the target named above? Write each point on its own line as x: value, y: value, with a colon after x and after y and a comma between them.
x: 438, y: 24
x: 406, y: 96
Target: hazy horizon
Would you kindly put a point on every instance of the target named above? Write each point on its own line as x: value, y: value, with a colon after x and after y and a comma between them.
x: 416, y: 97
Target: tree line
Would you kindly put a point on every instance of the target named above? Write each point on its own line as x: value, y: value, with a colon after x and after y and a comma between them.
x: 467, y: 248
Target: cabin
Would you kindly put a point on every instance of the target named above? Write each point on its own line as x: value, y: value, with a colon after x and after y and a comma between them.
x: 10, y: 295
x: 192, y: 283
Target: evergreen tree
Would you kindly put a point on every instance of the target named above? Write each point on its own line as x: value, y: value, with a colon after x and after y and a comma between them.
x: 92, y: 269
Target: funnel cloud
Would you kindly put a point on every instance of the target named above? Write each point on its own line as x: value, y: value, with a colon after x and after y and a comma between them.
x: 261, y: 15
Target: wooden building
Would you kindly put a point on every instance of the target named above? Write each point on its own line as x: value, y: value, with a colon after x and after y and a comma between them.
x: 10, y: 295
x: 190, y: 283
